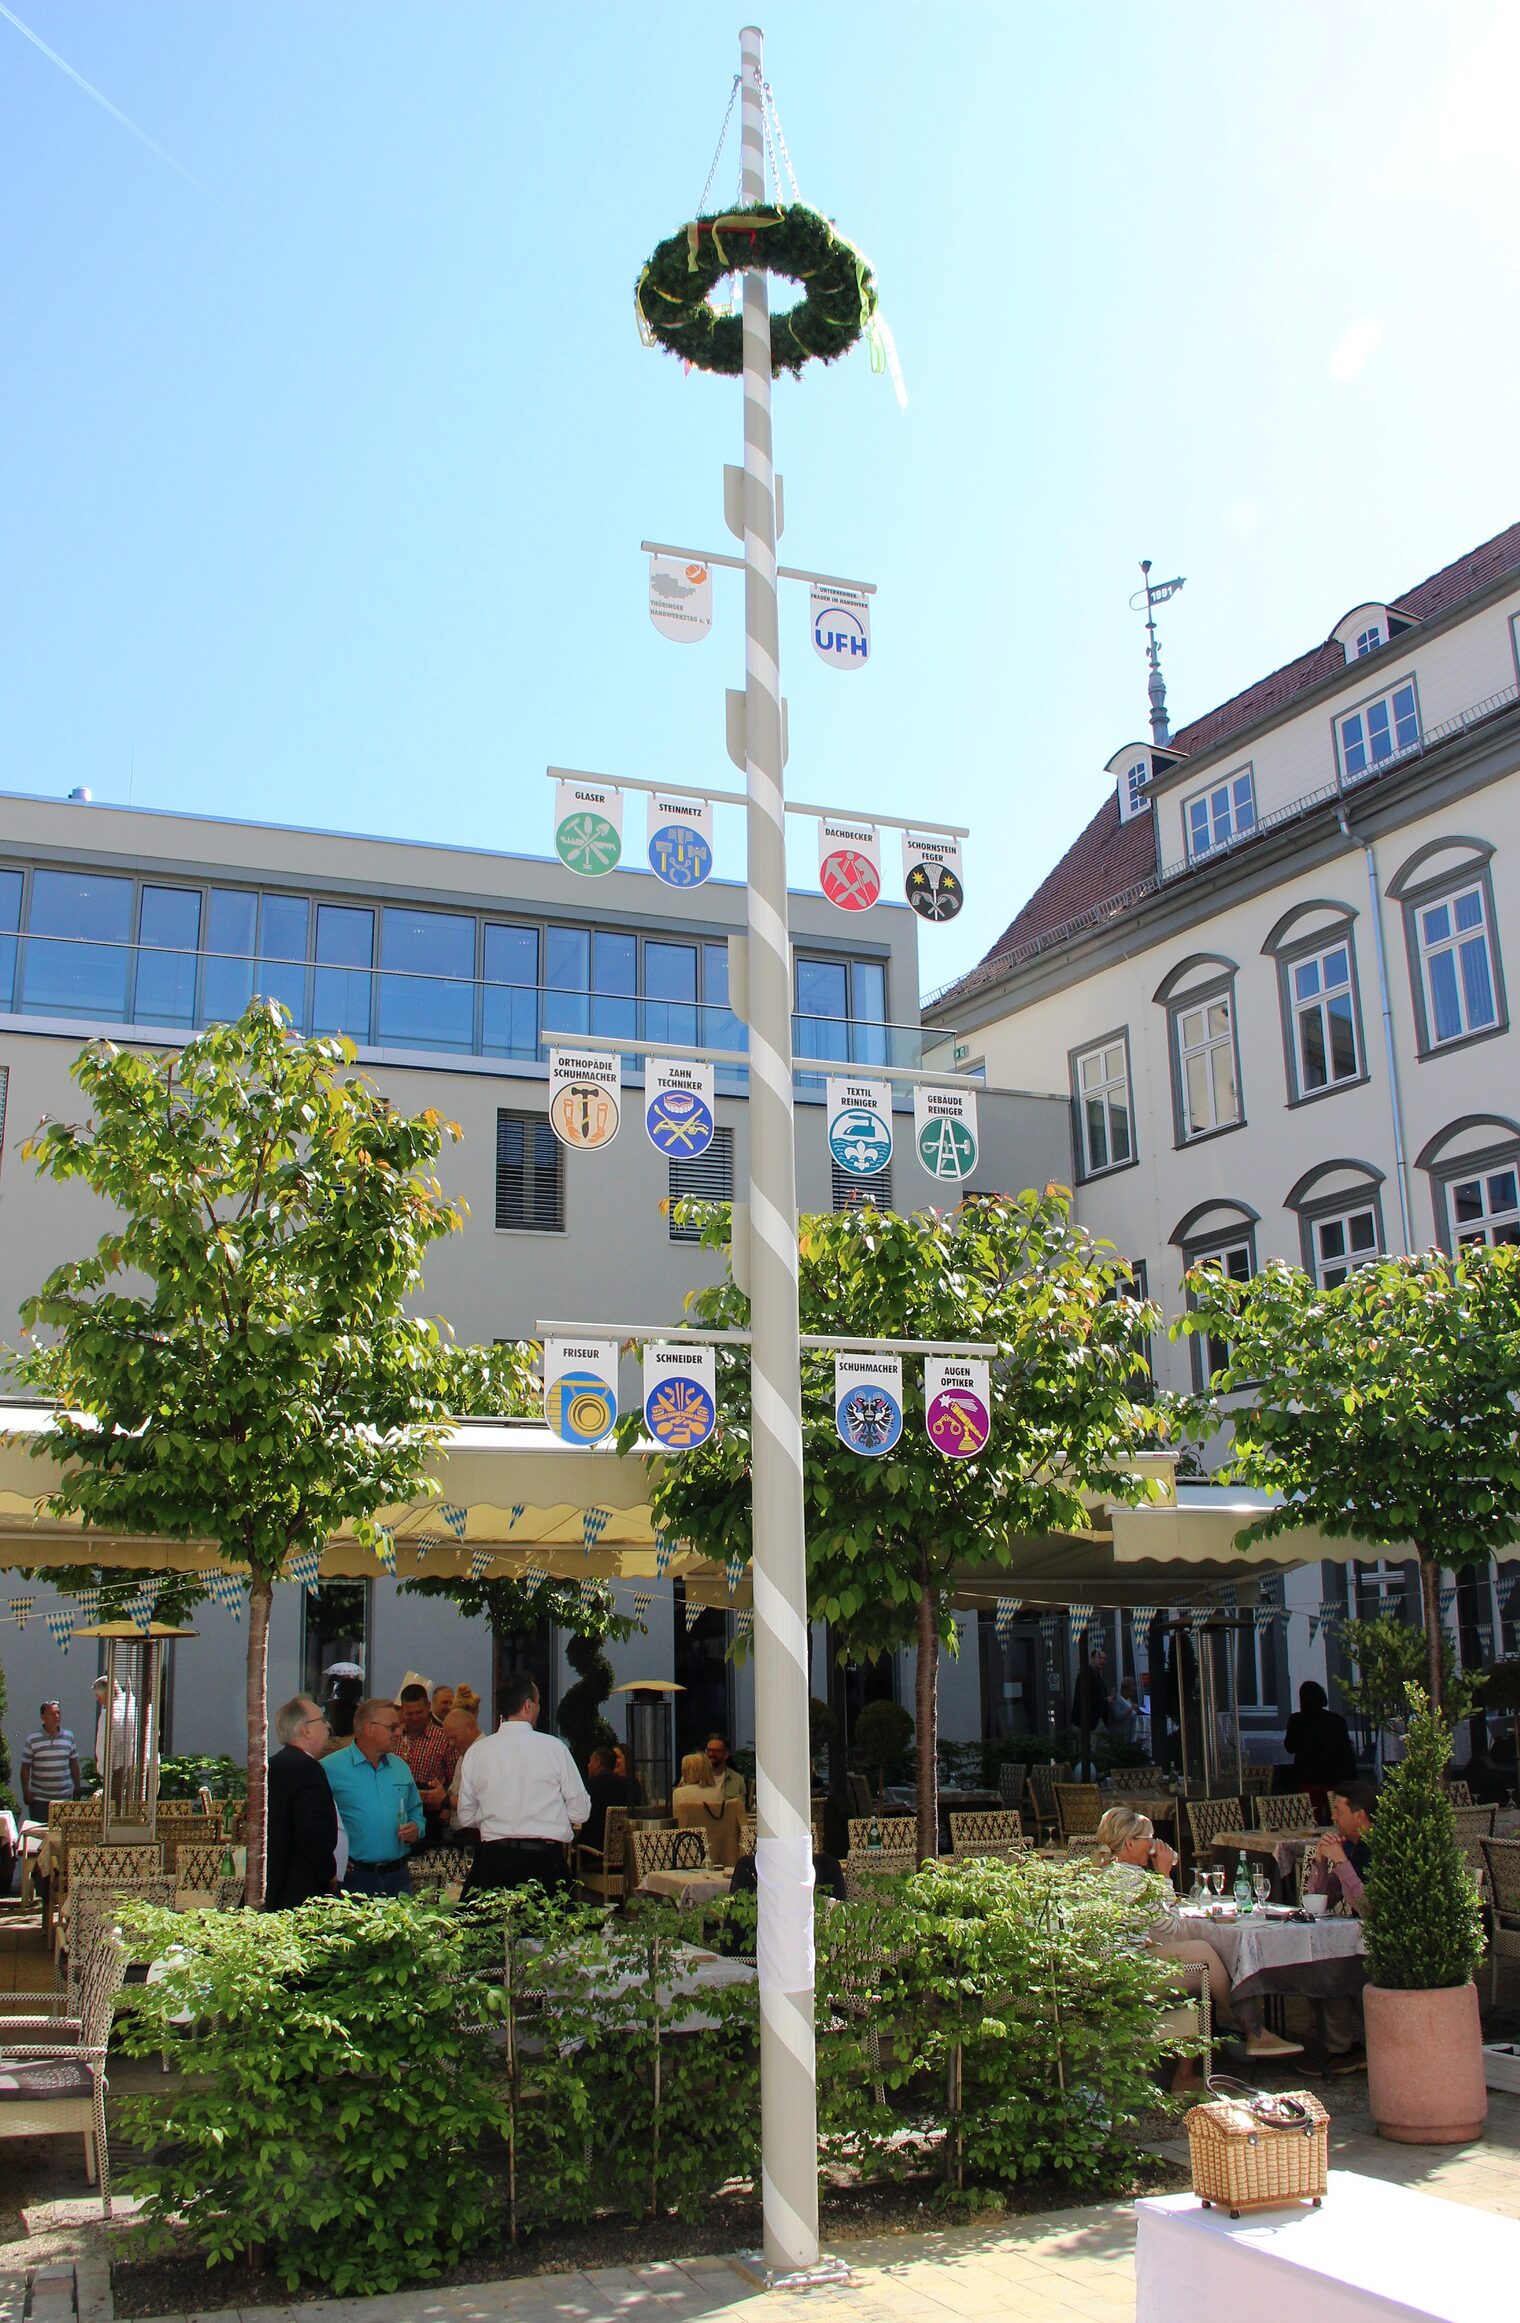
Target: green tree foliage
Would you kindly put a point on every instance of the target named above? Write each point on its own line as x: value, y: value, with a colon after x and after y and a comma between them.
x: 1389, y: 1656
x: 581, y: 1719
x: 511, y: 1608
x: 1423, y: 1919
x: 883, y: 1732
x: 1382, y: 1410
x: 885, y: 1535
x: 233, y: 1363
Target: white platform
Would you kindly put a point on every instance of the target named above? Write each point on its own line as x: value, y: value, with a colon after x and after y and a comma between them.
x: 1373, y: 2252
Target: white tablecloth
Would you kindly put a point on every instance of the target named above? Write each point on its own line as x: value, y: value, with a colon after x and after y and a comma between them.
x: 1373, y: 2254
x: 1276, y: 1954
x: 712, y: 1881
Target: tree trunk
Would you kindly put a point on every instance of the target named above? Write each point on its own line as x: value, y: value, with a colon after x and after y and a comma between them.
x: 260, y: 1598
x: 1430, y: 1600
x: 926, y: 1708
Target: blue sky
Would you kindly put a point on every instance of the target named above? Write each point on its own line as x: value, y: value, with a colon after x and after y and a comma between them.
x: 325, y: 474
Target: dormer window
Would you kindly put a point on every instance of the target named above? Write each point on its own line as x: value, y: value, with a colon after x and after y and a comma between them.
x: 1134, y: 779
x: 1134, y: 769
x: 1368, y: 628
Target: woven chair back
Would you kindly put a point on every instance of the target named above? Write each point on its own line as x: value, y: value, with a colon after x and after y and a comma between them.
x: 899, y: 1834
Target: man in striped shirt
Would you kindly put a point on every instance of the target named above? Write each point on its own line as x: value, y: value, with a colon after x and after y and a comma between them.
x: 49, y: 1764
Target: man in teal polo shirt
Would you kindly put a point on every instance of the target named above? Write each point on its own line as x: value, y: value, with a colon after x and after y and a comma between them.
x: 378, y: 1802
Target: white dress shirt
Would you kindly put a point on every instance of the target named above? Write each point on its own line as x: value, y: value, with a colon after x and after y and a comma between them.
x: 517, y: 1784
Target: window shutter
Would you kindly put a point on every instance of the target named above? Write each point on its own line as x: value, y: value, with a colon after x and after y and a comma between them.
x: 707, y: 1177
x: 851, y: 1193
x: 530, y: 1174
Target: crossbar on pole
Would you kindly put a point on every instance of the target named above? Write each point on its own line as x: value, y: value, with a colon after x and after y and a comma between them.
x: 702, y: 556
x: 735, y: 798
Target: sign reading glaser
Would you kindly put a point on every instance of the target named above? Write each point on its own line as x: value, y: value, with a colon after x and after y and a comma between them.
x: 588, y: 827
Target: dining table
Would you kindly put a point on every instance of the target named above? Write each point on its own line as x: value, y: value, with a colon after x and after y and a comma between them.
x: 687, y: 1886
x: 1277, y: 1951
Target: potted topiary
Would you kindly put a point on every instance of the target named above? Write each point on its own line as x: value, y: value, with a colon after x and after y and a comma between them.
x: 1424, y: 1930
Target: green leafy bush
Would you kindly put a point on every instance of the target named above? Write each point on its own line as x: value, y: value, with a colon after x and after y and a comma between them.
x: 1389, y: 1654
x: 1422, y: 1916
x: 347, y: 2108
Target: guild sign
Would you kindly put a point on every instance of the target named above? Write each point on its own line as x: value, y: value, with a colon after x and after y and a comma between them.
x: 957, y: 1407
x: 680, y: 598
x: 932, y: 876
x: 580, y: 1388
x: 868, y: 1403
x: 679, y: 1123
x: 588, y: 827
x: 944, y: 1124
x: 849, y: 867
x: 680, y: 839
x: 680, y: 1394
x: 585, y: 1098
x: 841, y: 621
x: 859, y: 1116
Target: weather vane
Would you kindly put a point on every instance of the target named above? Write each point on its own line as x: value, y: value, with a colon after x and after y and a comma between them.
x: 1154, y: 594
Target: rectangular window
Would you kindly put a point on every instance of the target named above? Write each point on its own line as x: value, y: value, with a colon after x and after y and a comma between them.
x: 78, y: 947
x: 1379, y: 731
x: 721, y: 1029
x: 841, y: 1008
x: 1324, y: 1020
x: 283, y: 923
x: 1223, y: 813
x: 567, y: 978
x: 232, y: 916
x: 1104, y: 1121
x: 847, y: 1192
x: 510, y: 1000
x: 10, y: 921
x: 707, y: 1178
x: 1234, y: 1259
x: 1342, y: 1243
x: 530, y: 1174
x: 1207, y: 1075
x: 427, y: 981
x: 1486, y: 1208
x: 670, y: 993
x: 168, y: 937
x: 345, y: 956
x: 615, y: 984
x: 1457, y: 965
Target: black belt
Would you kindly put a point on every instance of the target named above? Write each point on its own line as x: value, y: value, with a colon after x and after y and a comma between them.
x: 392, y: 1863
x: 555, y: 1843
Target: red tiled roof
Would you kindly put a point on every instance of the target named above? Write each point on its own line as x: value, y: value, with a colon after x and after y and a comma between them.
x: 1111, y: 857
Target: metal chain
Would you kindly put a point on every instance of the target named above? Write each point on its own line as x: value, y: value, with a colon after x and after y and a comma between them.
x: 770, y: 150
x: 718, y: 149
x: 775, y: 120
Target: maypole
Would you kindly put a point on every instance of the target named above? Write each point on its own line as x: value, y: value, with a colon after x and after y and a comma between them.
x: 784, y: 1846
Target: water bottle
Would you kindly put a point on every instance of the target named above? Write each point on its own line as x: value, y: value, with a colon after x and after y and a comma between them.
x: 1245, y: 1897
x: 227, y: 1869
x: 873, y: 1837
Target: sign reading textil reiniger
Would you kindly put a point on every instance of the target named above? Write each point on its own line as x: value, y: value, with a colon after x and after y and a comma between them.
x: 680, y: 1394
x: 588, y: 827
x: 868, y: 1402
x: 944, y: 1127
x: 580, y: 1388
x: 859, y: 1117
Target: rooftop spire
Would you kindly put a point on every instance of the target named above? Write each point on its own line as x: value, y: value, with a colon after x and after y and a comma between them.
x: 1154, y: 594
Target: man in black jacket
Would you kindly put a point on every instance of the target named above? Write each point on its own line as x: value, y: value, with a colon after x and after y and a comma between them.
x: 302, y: 1819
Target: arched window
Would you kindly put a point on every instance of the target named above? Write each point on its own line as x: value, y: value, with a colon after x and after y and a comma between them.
x: 1339, y: 1207
x: 1220, y: 1233
x: 1474, y: 1170
x: 1203, y: 1043
x: 1456, y: 976
x: 1315, y: 952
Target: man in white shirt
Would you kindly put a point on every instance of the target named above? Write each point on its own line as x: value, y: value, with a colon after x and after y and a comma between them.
x: 523, y: 1792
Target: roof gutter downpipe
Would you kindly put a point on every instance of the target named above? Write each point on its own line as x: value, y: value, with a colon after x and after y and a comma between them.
x: 1390, y: 1054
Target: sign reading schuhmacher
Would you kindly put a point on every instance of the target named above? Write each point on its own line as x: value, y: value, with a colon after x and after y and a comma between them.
x: 868, y: 1402
x: 585, y: 1097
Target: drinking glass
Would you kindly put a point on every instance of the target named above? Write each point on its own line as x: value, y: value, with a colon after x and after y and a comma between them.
x: 1262, y: 1885
x: 1216, y: 1877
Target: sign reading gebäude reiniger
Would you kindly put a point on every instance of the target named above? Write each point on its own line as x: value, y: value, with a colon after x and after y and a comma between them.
x: 580, y: 1388
x: 944, y: 1126
x: 585, y: 1097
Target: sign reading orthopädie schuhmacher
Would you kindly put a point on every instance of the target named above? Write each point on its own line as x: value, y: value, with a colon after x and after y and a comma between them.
x: 585, y: 1097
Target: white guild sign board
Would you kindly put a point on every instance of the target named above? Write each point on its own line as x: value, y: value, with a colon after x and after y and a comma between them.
x: 849, y: 863
x: 680, y: 840
x: 957, y: 1405
x: 580, y: 1388
x: 944, y: 1130
x: 680, y: 1394
x: 680, y: 598
x: 678, y: 1106
x: 859, y: 1116
x: 588, y: 827
x: 932, y: 875
x: 841, y: 620
x: 868, y: 1402
x: 585, y: 1097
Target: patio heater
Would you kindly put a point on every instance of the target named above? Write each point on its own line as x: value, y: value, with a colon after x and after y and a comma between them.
x: 1211, y: 1763
x: 133, y: 1721
x: 651, y: 1742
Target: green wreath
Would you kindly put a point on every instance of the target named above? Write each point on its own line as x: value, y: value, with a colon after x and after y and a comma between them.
x: 674, y: 289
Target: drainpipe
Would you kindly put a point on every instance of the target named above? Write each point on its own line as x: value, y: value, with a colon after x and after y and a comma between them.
x: 1390, y: 1056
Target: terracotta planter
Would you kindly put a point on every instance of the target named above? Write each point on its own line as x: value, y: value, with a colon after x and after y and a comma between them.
x: 1425, y: 2065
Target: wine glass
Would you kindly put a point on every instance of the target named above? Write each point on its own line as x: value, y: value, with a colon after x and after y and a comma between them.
x: 1263, y: 1887
x: 1216, y: 1879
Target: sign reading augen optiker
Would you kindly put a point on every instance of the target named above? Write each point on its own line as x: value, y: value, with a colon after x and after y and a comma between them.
x: 585, y: 1097
x: 680, y: 840
x: 841, y: 620
x: 849, y: 863
x: 957, y: 1405
x: 680, y: 598
x: 580, y: 1388
x: 680, y: 1394
x: 868, y: 1402
x: 859, y: 1115
x: 588, y: 827
x: 678, y: 1106
x: 932, y: 875
x: 944, y: 1129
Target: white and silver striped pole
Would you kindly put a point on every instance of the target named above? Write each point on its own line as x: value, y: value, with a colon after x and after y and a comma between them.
x: 784, y: 1847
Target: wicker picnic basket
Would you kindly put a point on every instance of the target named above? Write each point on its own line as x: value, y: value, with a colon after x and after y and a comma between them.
x: 1255, y: 2148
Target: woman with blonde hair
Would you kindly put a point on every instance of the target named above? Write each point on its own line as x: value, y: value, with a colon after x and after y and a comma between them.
x: 1141, y: 1866
x: 698, y: 1804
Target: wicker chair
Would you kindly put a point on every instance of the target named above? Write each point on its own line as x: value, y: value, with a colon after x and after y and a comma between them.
x: 1146, y: 1780
x: 863, y: 1873
x: 197, y: 1868
x: 1012, y: 1781
x: 176, y: 1810
x: 1082, y: 1846
x: 1042, y: 1798
x: 192, y: 1832
x: 1474, y: 1825
x: 1306, y: 1863
x: 1256, y: 1778
x: 1285, y: 1811
x: 1502, y: 1860
x: 85, y: 1858
x: 1208, y: 1816
x: 53, y: 2088
x: 659, y: 1850
x: 1459, y: 1793
x: 62, y: 1811
x: 988, y: 1832
x: 899, y: 1834
x: 1079, y: 1808
x: 95, y: 1906
x: 1195, y: 1975
x: 603, y: 1871
x: 439, y: 1868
